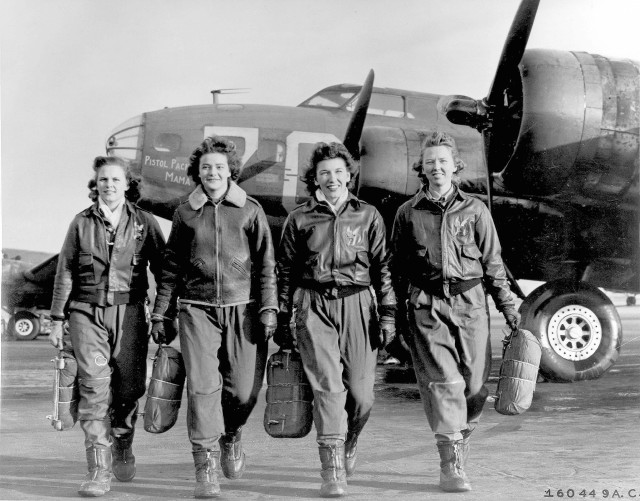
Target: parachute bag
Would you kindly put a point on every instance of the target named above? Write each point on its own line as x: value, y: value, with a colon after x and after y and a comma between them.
x: 518, y: 372
x: 164, y: 394
x: 289, y: 410
x: 65, y: 391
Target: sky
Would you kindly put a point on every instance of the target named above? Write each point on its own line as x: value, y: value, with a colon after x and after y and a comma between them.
x: 73, y: 70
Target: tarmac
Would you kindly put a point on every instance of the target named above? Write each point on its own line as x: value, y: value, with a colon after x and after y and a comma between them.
x: 578, y: 440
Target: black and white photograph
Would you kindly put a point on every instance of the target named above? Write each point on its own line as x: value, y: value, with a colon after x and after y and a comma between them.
x: 305, y: 249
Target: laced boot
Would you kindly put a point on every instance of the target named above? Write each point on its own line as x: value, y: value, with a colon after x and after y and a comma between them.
x: 232, y: 455
x: 124, y: 462
x: 334, y: 478
x: 452, y: 475
x: 98, y: 479
x: 207, y: 485
x: 350, y: 453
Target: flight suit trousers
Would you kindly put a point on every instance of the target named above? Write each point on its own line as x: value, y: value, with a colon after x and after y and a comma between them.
x: 225, y: 353
x: 333, y: 338
x: 451, y: 352
x: 110, y: 345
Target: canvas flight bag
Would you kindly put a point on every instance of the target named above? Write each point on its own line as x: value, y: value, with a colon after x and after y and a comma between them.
x: 65, y: 391
x: 518, y: 372
x: 164, y: 394
x: 289, y: 410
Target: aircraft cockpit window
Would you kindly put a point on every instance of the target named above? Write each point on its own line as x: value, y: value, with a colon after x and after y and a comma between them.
x: 329, y: 99
x: 167, y: 143
x: 387, y: 105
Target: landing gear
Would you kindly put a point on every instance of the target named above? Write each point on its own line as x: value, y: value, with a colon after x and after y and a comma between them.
x: 631, y: 300
x: 25, y: 326
x: 578, y: 327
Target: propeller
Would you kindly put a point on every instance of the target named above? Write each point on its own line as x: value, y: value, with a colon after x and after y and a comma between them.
x: 481, y: 114
x: 356, y: 124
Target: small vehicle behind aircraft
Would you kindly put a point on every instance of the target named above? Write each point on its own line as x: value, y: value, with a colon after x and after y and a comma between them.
x: 26, y: 297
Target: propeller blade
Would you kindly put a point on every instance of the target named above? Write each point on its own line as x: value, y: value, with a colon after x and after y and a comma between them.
x: 356, y: 124
x: 513, y: 49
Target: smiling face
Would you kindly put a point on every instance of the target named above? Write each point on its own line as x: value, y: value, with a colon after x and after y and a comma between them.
x: 438, y: 167
x: 215, y: 173
x: 333, y: 178
x: 111, y: 183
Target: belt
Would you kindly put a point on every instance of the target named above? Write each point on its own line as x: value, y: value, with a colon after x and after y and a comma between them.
x: 436, y: 288
x: 333, y: 291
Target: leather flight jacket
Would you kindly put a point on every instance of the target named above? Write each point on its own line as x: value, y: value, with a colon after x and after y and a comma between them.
x: 447, y: 250
x: 99, y: 266
x: 336, y: 254
x: 219, y: 254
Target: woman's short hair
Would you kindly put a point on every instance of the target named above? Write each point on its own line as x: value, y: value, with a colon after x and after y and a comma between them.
x: 438, y: 138
x: 327, y: 151
x: 214, y: 144
x: 132, y: 194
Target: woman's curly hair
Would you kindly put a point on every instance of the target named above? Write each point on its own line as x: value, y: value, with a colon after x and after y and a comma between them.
x: 132, y: 194
x: 439, y: 139
x: 214, y: 144
x: 326, y: 151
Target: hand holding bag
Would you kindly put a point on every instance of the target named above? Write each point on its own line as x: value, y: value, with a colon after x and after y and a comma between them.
x: 518, y: 372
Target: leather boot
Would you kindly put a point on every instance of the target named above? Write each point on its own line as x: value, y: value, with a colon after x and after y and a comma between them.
x: 334, y: 477
x: 452, y: 475
x: 207, y: 485
x: 232, y: 455
x: 350, y: 453
x: 98, y: 479
x: 124, y: 462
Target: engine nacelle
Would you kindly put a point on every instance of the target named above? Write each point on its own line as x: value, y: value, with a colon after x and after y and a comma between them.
x: 577, y: 127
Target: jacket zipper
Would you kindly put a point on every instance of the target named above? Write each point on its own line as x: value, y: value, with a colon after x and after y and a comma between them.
x: 217, y: 251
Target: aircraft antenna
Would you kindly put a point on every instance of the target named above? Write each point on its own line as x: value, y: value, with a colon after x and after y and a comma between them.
x: 238, y: 90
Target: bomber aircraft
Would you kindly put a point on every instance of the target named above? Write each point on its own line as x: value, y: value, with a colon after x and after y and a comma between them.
x: 552, y: 150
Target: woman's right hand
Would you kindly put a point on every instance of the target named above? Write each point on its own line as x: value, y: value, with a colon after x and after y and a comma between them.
x: 55, y: 336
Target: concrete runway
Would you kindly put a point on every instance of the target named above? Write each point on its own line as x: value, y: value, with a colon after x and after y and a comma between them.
x: 578, y: 440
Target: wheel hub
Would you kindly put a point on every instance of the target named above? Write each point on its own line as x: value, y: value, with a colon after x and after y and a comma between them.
x: 574, y: 332
x: 24, y: 327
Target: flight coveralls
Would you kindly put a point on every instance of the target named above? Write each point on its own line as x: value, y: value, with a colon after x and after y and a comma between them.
x: 442, y: 255
x: 327, y: 265
x: 101, y: 285
x: 220, y: 262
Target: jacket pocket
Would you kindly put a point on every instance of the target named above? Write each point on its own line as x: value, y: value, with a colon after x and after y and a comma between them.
x: 86, y: 270
x: 239, y: 267
x: 470, y: 259
x: 136, y: 260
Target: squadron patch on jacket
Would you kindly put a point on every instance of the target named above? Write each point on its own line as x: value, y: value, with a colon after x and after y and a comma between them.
x: 353, y: 236
x: 463, y: 226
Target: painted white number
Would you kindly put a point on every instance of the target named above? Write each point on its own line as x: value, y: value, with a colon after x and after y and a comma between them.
x: 291, y: 165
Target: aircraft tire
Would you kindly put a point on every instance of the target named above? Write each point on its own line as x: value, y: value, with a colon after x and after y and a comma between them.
x: 631, y: 300
x: 25, y: 326
x: 578, y: 327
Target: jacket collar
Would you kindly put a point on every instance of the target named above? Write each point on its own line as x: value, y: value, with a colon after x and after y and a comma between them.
x: 313, y: 203
x: 235, y: 196
x: 421, y: 199
x: 95, y: 208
